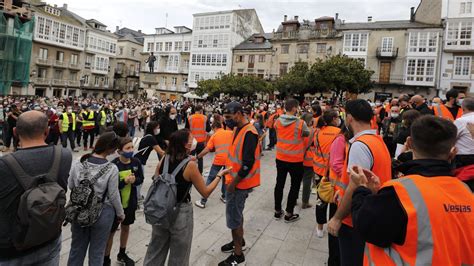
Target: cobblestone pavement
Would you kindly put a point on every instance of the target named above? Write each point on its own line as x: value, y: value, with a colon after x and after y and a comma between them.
x: 269, y: 242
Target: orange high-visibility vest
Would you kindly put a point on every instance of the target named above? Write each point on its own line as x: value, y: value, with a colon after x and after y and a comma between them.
x: 322, y: 146
x: 220, y: 143
x: 309, y: 149
x: 381, y: 166
x: 443, y: 112
x: 315, y: 121
x: 197, y: 125
x: 271, y: 121
x: 234, y: 160
x: 373, y: 124
x: 290, y: 145
x: 440, y: 222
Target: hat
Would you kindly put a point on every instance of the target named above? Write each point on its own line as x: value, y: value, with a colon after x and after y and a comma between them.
x: 233, y: 108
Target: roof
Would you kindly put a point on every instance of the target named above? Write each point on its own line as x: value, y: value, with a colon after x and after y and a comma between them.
x: 224, y: 12
x: 96, y: 22
x: 137, y: 35
x: 130, y: 38
x: 325, y: 18
x: 65, y: 17
x: 389, y: 24
x: 249, y: 44
x: 311, y: 24
x: 84, y: 22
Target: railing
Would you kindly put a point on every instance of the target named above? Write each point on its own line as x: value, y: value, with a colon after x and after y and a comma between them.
x: 59, y: 82
x: 392, y: 79
x: 42, y: 81
x: 87, y: 65
x: 42, y: 61
x: 99, y: 71
x: 75, y: 65
x: 74, y: 83
x: 327, y: 33
x: 387, y: 54
x: 58, y: 63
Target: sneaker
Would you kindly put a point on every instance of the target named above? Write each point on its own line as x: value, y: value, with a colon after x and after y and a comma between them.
x: 232, y: 260
x: 125, y: 259
x: 229, y: 247
x: 278, y: 215
x: 305, y: 205
x: 320, y: 233
x: 223, y: 199
x: 292, y: 218
x: 200, y: 204
x: 107, y: 261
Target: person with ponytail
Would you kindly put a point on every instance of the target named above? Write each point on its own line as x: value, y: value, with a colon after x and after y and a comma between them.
x: 106, y: 187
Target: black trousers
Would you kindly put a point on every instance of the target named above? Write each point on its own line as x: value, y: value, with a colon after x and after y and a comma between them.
x: 351, y: 246
x: 52, y: 138
x: 296, y: 171
x: 199, y: 148
x: 333, y: 242
x: 68, y: 135
x: 78, y: 135
x: 89, y: 133
x: 272, y: 137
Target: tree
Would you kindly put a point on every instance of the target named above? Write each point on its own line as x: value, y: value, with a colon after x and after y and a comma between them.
x: 238, y: 86
x: 340, y: 74
x: 210, y: 86
x: 294, y: 82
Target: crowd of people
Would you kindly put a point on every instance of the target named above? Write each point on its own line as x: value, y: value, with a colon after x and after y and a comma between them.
x: 392, y: 179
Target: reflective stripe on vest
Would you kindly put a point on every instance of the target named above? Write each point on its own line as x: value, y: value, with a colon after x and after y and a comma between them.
x: 198, y: 131
x: 295, y: 134
x: 88, y: 123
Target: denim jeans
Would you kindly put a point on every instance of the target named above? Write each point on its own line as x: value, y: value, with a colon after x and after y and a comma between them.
x: 93, y: 238
x: 308, y: 177
x: 177, y: 240
x: 45, y: 256
x: 131, y: 130
x: 212, y: 175
x: 68, y: 136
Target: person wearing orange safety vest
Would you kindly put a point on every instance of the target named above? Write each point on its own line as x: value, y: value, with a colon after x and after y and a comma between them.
x: 308, y: 175
x: 424, y: 218
x: 270, y: 124
x: 452, y: 109
x: 199, y: 127
x: 289, y: 158
x: 317, y: 112
x: 219, y: 143
x: 244, y: 162
x: 367, y: 150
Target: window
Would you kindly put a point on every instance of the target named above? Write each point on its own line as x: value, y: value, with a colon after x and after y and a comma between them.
x: 303, y: 48
x: 459, y: 33
x: 321, y: 48
x: 58, y: 74
x: 420, y: 70
x: 240, y: 58
x: 86, y: 79
x: 159, y: 46
x: 355, y: 42
x: 187, y: 46
x: 74, y: 59
x: 174, y: 80
x: 466, y: 8
x: 168, y: 46
x: 120, y: 50
x: 178, y: 46
x: 462, y: 66
x: 285, y: 48
x: 387, y: 44
x: 88, y: 61
x: 42, y: 72
x: 261, y: 58
x: 423, y: 42
x: 149, y: 47
x: 133, y: 52
x: 60, y: 56
x: 43, y: 53
x: 283, y: 69
x: 96, y: 80
x: 163, y: 81
x: 73, y: 76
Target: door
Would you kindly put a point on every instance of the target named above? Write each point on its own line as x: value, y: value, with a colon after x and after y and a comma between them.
x: 385, y: 68
x: 251, y: 61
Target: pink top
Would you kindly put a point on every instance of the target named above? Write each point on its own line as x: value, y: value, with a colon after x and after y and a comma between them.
x: 338, y: 155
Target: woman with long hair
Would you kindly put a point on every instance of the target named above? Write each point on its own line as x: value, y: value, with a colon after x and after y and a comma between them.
x: 177, y: 240
x: 94, y: 238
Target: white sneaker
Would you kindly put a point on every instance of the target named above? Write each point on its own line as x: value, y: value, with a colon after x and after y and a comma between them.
x: 199, y: 204
x: 320, y: 233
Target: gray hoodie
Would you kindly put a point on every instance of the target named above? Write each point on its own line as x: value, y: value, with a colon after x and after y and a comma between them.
x: 108, y: 182
x: 287, y: 120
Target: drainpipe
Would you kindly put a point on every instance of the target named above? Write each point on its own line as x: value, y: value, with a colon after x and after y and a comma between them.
x: 440, y: 59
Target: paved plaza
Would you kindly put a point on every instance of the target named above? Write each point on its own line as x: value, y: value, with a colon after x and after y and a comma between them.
x: 269, y: 242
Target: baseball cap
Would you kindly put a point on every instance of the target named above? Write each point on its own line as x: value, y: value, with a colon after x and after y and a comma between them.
x: 232, y: 108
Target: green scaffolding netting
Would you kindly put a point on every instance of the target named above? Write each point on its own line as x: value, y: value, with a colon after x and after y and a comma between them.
x: 16, y: 41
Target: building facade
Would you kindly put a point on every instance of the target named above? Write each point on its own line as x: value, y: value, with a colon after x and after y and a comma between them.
x: 169, y: 77
x: 254, y: 57
x: 214, y: 36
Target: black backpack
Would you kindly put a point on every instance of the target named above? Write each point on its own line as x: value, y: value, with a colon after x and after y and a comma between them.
x: 41, y: 208
x: 85, y: 206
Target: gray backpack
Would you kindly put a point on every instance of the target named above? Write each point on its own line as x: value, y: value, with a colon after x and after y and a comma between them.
x: 41, y: 207
x: 161, y: 206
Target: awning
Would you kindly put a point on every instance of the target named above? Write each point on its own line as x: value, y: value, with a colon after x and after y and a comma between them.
x: 192, y: 95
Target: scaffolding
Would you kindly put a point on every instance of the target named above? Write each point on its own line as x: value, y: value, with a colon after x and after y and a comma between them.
x: 16, y: 41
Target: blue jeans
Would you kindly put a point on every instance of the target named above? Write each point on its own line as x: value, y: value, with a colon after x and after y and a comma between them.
x: 131, y: 130
x: 93, y: 238
x: 212, y: 175
x: 45, y: 256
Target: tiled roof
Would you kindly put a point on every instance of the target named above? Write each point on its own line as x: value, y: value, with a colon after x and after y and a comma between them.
x: 391, y: 24
x: 249, y: 44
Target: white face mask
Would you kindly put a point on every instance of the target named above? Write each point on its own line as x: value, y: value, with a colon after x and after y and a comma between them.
x: 434, y: 104
x: 194, y: 145
x: 156, y: 131
x: 172, y: 117
x: 211, y: 120
x: 394, y: 115
x: 459, y: 102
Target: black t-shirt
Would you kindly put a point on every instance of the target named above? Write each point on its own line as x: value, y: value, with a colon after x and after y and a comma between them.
x: 145, y: 148
x: 136, y: 168
x: 167, y: 127
x: 183, y: 186
x: 454, y: 110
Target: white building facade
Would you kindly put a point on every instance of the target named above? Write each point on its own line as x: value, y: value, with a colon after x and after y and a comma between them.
x: 214, y: 36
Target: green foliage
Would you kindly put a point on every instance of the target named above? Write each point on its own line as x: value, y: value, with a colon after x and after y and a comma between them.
x: 294, y: 82
x: 233, y: 85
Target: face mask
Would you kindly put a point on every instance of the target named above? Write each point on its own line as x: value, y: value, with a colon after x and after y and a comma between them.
x: 339, y: 122
x: 156, y: 131
x: 378, y: 104
x: 459, y: 102
x: 211, y: 120
x: 434, y: 104
x: 172, y: 117
x: 230, y: 123
x: 69, y: 111
x: 394, y: 115
x: 127, y: 155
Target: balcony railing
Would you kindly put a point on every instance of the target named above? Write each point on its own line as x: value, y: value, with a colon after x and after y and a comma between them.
x: 42, y: 81
x: 74, y: 83
x: 99, y: 71
x: 59, y: 82
x: 43, y: 61
x: 392, y: 79
x: 325, y: 33
x: 58, y: 63
x: 75, y: 65
x: 87, y: 65
x: 387, y: 54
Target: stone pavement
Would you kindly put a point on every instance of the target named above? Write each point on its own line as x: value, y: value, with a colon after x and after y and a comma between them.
x: 269, y: 242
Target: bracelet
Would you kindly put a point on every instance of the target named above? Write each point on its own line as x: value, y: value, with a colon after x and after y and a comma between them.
x: 220, y: 177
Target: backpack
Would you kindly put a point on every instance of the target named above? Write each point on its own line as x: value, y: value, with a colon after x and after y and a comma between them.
x: 41, y: 206
x: 136, y: 144
x: 85, y: 206
x: 160, y: 206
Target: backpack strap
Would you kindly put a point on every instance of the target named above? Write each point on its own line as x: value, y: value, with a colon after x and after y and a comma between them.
x: 26, y: 180
x: 166, y: 165
x: 180, y: 166
x: 101, y: 172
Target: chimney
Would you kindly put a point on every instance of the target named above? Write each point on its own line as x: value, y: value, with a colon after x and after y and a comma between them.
x: 55, y: 6
x: 296, y: 18
x: 285, y: 17
x: 337, y: 16
x: 369, y: 19
x: 139, y: 31
x: 65, y: 6
x: 412, y: 14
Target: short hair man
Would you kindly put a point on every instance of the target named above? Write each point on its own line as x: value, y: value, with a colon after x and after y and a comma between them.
x: 424, y: 217
x: 420, y: 105
x: 451, y: 110
x: 35, y: 157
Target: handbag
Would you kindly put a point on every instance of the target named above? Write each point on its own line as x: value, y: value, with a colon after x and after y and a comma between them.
x: 326, y: 188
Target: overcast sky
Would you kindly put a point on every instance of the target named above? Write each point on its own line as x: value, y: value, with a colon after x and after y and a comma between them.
x: 150, y: 14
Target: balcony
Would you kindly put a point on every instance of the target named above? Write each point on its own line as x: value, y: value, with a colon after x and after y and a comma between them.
x: 99, y: 71
x: 387, y: 54
x: 182, y: 89
x: 75, y: 65
x: 43, y: 61
x: 42, y: 81
x: 133, y: 73
x: 60, y: 64
x: 184, y: 70
x: 388, y: 80
x: 59, y: 82
x: 73, y: 83
x: 286, y: 35
x: 326, y: 33
x: 87, y: 65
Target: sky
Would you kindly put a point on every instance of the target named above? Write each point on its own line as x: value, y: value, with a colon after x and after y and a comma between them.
x: 146, y: 15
